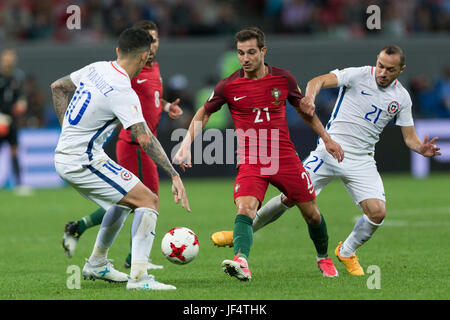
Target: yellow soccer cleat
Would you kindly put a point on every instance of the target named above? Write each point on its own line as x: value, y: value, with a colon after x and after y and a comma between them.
x: 222, y: 238
x: 351, y: 263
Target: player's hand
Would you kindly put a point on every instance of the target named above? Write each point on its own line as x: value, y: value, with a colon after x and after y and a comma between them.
x: 174, y: 110
x: 183, y: 158
x: 19, y: 108
x: 307, y: 105
x: 334, y: 149
x: 179, y: 193
x: 428, y: 148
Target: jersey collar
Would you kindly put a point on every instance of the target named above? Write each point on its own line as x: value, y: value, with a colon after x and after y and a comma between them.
x: 119, y: 69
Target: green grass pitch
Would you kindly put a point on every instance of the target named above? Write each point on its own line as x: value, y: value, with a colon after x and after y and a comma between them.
x: 410, y: 249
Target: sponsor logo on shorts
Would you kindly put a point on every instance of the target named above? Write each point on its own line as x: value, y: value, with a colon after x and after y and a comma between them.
x: 126, y: 175
x: 237, y: 187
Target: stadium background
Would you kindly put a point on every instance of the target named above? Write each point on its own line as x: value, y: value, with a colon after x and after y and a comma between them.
x: 307, y: 37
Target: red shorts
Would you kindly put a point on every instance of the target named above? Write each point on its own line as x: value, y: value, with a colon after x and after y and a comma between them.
x: 291, y: 179
x: 133, y: 158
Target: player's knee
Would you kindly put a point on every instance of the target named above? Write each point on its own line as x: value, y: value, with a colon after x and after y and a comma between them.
x: 141, y: 196
x: 377, y: 214
x: 247, y: 209
x: 153, y: 200
x: 313, y: 219
x: 310, y: 212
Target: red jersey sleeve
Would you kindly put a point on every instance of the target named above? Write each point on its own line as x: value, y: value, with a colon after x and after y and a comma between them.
x: 217, y: 98
x: 295, y: 94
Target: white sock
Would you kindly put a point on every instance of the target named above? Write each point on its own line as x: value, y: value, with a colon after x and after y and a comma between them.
x: 143, y: 234
x: 112, y: 222
x: 363, y: 231
x: 321, y: 258
x: 268, y: 213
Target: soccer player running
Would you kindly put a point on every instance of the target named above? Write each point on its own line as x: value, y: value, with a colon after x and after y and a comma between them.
x: 149, y: 88
x: 13, y: 104
x: 103, y: 97
x: 369, y: 98
x: 256, y: 96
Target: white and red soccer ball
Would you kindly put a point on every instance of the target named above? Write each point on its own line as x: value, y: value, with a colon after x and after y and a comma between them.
x: 180, y: 245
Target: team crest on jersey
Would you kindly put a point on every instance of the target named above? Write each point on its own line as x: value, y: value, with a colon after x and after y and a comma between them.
x: 393, y: 108
x: 126, y: 175
x: 276, y: 94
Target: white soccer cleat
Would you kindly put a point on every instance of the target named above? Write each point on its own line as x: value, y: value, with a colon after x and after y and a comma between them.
x: 151, y: 266
x: 105, y: 272
x: 148, y: 282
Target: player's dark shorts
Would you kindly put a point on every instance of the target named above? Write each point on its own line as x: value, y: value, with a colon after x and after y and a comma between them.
x: 11, y: 137
x: 133, y: 158
x: 291, y: 179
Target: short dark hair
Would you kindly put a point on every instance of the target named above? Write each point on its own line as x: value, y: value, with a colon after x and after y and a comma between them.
x: 393, y: 49
x: 134, y: 40
x: 251, y: 33
x: 146, y: 25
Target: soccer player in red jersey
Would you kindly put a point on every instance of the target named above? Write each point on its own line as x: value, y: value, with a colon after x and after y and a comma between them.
x: 256, y: 96
x: 149, y: 88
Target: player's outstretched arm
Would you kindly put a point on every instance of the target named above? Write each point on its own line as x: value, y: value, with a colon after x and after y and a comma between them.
x: 155, y: 151
x: 426, y: 148
x: 316, y: 84
x: 61, y: 90
x: 307, y: 104
x: 198, y: 122
x: 152, y: 147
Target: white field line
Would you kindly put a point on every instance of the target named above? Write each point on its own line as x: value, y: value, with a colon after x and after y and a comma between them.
x: 392, y: 221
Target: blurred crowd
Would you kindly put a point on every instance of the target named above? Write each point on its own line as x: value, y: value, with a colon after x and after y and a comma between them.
x: 430, y: 97
x: 45, y: 20
x: 24, y: 20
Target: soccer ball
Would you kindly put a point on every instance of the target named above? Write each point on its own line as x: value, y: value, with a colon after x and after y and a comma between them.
x: 180, y: 245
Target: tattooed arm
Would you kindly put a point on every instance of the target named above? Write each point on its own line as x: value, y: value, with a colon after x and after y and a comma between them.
x: 61, y: 89
x: 152, y: 147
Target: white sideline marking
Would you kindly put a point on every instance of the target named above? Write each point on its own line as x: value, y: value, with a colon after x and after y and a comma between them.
x: 413, y: 211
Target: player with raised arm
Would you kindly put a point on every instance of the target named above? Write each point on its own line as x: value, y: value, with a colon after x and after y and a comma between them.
x: 369, y: 98
x: 256, y: 96
x: 103, y: 98
x: 149, y: 88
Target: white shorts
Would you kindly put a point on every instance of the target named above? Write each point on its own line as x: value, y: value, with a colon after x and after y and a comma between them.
x: 358, y: 173
x: 102, y: 181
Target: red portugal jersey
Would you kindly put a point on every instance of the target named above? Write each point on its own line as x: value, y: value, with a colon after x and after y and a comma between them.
x: 148, y: 86
x: 258, y: 109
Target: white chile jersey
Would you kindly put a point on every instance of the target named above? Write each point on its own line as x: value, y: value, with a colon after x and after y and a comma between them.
x: 103, y: 98
x: 363, y: 109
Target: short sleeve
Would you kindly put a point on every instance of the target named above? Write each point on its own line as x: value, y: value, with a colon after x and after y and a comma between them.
x: 348, y: 76
x: 217, y: 98
x: 127, y: 108
x: 295, y: 94
x: 76, y: 75
x: 404, y: 117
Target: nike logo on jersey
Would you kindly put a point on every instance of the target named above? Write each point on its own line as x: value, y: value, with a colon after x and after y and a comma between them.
x: 365, y: 93
x: 139, y: 81
x: 236, y: 98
